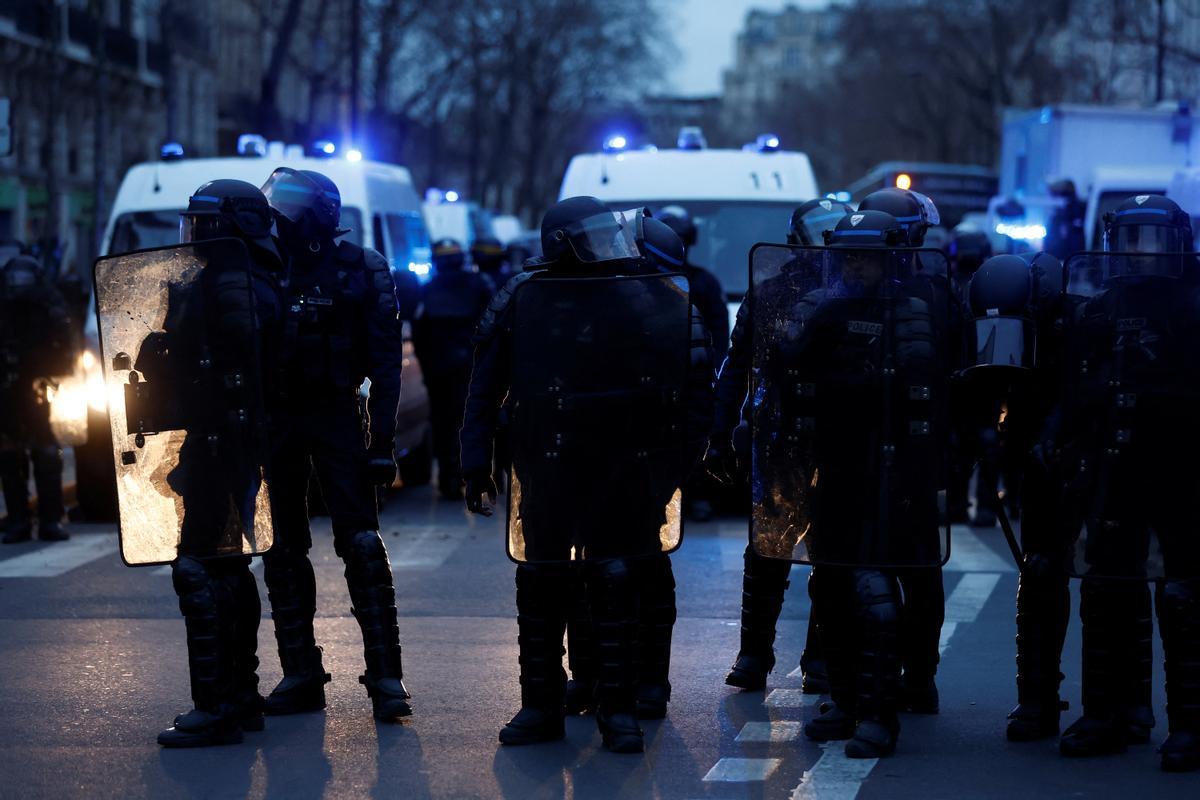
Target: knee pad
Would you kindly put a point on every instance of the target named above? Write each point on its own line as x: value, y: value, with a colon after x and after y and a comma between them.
x: 365, y: 547
x: 877, y: 598
x: 194, y: 586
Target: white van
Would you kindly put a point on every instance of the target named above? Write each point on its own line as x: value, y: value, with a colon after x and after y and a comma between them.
x: 735, y: 197
x: 464, y: 222
x: 380, y: 207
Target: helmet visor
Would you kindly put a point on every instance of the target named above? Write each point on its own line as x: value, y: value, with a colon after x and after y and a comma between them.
x: 929, y: 212
x: 1146, y: 239
x: 812, y: 226
x: 201, y: 227
x: 611, y: 236
x: 291, y: 194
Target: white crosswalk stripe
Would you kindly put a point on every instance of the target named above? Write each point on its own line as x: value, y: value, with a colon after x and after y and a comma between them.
x: 790, y: 698
x: 742, y: 770
x: 422, y: 547
x: 775, y: 731
x: 970, y: 595
x: 61, y: 557
x: 970, y: 553
x: 834, y: 776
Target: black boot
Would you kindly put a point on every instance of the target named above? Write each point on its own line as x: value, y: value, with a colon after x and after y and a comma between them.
x: 207, y: 605
x: 1102, y: 730
x: 613, y: 598
x: 878, y: 675
x: 292, y: 591
x: 764, y: 582
x: 14, y: 474
x: 47, y: 477
x: 656, y: 584
x: 369, y: 578
x: 541, y: 624
x: 581, y: 657
x: 814, y: 674
x: 1140, y: 656
x: 1043, y: 612
x: 832, y: 595
x: 250, y: 704
x: 924, y: 611
x: 1179, y: 618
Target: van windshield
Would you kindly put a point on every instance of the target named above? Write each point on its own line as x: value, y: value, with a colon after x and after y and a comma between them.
x: 725, y: 232
x: 140, y: 230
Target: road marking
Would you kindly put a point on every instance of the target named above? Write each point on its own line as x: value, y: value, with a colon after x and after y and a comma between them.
x: 834, y: 776
x: 776, y: 731
x: 731, y: 545
x: 422, y: 547
x: 743, y: 770
x: 791, y: 698
x: 60, y: 557
x: 969, y: 596
x: 970, y: 553
x: 948, y: 629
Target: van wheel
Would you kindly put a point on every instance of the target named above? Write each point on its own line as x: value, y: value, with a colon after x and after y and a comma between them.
x: 416, y: 468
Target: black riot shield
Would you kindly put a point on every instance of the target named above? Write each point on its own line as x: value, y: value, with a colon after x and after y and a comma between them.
x: 599, y: 450
x: 1130, y: 430
x: 849, y: 408
x: 180, y: 357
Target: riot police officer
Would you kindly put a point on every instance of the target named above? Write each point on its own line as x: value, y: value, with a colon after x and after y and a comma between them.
x: 848, y: 427
x: 218, y: 327
x: 489, y: 256
x: 764, y: 580
x: 340, y: 327
x: 36, y: 344
x: 450, y: 306
x: 571, y: 498
x: 1128, y: 437
x: 1017, y: 301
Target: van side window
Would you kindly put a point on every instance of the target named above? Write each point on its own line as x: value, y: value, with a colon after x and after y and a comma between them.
x: 409, y: 241
x: 380, y: 239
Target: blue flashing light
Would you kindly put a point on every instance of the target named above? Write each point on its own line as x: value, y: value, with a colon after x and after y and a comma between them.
x: 1026, y: 232
x: 420, y: 268
x: 325, y: 147
x: 451, y: 196
x: 354, y: 155
x: 1046, y: 115
x: 843, y: 196
x: 251, y: 145
x: 615, y: 143
x: 767, y: 143
x: 171, y: 151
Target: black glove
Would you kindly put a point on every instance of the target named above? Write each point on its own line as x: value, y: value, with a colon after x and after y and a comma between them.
x: 381, y: 466
x: 721, y: 460
x: 481, y: 494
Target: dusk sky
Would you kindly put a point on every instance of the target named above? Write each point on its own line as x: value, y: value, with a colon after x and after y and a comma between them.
x: 705, y: 31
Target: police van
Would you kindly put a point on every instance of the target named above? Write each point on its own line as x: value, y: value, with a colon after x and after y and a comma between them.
x: 380, y: 208
x: 735, y: 197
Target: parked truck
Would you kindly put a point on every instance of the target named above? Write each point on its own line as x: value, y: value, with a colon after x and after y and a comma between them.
x: 1107, y: 153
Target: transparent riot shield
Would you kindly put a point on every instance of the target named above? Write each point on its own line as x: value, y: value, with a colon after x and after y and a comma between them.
x: 848, y: 405
x: 598, y: 445
x: 180, y: 359
x: 1130, y: 430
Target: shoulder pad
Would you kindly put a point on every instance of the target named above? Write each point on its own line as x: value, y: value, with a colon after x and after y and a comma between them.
x: 499, y: 304
x: 349, y: 252
x: 374, y: 260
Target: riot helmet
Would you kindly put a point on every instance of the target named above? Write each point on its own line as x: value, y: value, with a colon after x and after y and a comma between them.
x: 913, y: 210
x: 662, y: 249
x: 230, y: 208
x: 678, y: 219
x: 1148, y: 223
x: 581, y: 230
x: 448, y: 256
x: 20, y: 272
x: 813, y: 218
x: 863, y: 272
x: 1002, y: 296
x: 968, y: 249
x: 488, y: 254
x: 307, y: 205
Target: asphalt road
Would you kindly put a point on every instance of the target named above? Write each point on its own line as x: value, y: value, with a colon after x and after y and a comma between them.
x: 93, y: 666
